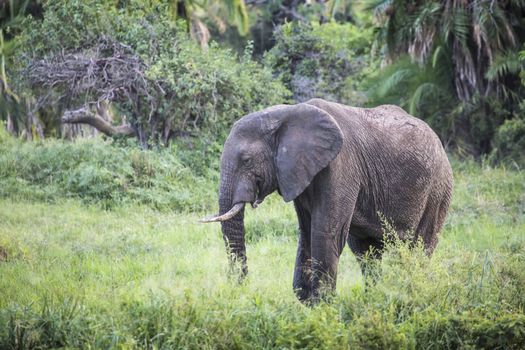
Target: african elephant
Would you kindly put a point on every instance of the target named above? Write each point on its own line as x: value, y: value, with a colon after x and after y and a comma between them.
x: 345, y: 168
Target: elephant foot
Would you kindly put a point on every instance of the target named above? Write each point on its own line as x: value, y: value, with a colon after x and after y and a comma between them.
x: 311, y: 298
x: 303, y: 294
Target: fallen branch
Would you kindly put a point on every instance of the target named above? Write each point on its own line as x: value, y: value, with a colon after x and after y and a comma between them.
x: 85, y: 116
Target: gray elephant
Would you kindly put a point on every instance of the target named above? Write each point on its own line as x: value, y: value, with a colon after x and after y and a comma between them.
x: 346, y: 169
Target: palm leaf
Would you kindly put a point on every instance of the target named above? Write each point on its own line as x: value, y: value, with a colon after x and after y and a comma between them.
x: 503, y: 64
x: 238, y: 15
x: 418, y: 97
x: 392, y: 82
x: 461, y: 25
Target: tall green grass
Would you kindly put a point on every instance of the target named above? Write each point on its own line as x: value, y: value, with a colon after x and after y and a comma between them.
x: 76, y: 275
x: 106, y: 173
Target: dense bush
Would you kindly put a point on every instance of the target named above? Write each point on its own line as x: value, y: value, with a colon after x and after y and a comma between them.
x: 328, y: 61
x: 454, y: 64
x: 509, y: 141
x: 107, y: 174
x: 177, y: 88
x: 449, y: 302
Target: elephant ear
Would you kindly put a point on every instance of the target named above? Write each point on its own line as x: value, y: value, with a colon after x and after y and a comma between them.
x: 307, y: 140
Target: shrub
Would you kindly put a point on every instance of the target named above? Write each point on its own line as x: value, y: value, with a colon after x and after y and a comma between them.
x: 98, y: 171
x: 468, y: 331
x: 327, y: 61
x: 509, y: 141
x: 173, y: 88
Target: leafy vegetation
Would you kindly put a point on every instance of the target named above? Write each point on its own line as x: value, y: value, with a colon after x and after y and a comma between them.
x: 99, y: 245
x: 107, y: 173
x: 200, y: 14
x: 328, y: 61
x: 462, y: 69
x: 138, y: 70
x: 509, y: 141
x: 76, y: 275
x: 139, y: 59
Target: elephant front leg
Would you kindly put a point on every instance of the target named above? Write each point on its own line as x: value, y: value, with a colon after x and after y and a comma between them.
x: 303, y: 269
x: 331, y: 218
x: 330, y: 214
x: 302, y: 278
x: 325, y: 259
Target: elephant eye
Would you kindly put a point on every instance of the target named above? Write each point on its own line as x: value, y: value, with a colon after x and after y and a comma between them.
x: 247, y: 162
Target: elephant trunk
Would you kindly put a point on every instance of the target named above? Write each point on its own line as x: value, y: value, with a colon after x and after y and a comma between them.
x: 232, y: 228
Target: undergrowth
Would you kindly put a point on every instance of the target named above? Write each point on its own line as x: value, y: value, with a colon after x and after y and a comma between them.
x: 76, y: 275
x: 109, y: 174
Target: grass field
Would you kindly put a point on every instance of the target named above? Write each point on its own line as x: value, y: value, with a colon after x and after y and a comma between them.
x: 76, y: 275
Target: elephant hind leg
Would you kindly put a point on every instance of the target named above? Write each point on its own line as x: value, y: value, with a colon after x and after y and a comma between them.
x: 431, y: 223
x: 361, y: 246
x: 366, y: 250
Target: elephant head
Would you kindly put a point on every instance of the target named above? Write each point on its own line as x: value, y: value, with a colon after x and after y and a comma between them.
x: 280, y: 148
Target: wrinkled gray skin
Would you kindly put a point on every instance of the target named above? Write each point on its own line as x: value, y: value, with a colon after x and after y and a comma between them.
x: 344, y: 168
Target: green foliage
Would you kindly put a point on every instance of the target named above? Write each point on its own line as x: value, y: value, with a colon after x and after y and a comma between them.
x: 77, y: 276
x: 185, y: 88
x: 456, y: 66
x: 522, y: 59
x: 104, y: 173
x: 212, y: 88
x: 462, y: 75
x: 327, y: 61
x: 504, y: 64
x: 199, y: 15
x: 11, y: 15
x: 422, y: 90
x: 509, y: 141
x: 466, y: 331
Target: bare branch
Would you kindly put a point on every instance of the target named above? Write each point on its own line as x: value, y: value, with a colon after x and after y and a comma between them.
x: 108, y: 70
x: 85, y: 116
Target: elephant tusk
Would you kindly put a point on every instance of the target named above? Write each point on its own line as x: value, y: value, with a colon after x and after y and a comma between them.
x: 224, y: 217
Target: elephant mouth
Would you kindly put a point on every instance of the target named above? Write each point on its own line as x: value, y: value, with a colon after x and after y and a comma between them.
x: 258, y: 199
x: 237, y: 207
x: 256, y: 203
x: 259, y: 194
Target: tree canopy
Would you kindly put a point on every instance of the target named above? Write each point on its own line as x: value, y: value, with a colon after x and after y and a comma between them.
x: 160, y: 68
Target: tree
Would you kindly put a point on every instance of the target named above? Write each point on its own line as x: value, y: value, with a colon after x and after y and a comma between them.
x: 12, y: 106
x: 464, y: 50
x: 199, y: 13
x: 327, y: 60
x: 139, y: 63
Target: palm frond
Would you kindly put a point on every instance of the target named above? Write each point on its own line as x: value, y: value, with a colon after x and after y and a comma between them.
x: 503, y: 64
x: 460, y: 25
x: 423, y: 91
x: 238, y: 15
x: 393, y: 81
x: 437, y: 55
